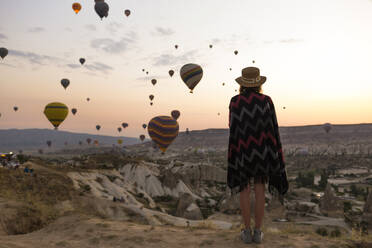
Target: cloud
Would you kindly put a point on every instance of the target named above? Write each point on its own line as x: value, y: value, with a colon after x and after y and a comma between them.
x: 36, y: 30
x: 91, y: 27
x: 97, y: 66
x: 114, y: 27
x: 290, y: 41
x: 3, y: 36
x: 8, y: 65
x: 168, y: 59
x: 163, y: 31
x: 73, y: 66
x: 112, y: 46
x: 34, y: 58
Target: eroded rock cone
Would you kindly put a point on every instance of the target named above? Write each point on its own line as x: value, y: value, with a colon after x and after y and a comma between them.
x: 330, y: 203
x: 187, y: 208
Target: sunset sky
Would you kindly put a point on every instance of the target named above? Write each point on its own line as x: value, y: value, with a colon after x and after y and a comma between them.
x: 316, y: 55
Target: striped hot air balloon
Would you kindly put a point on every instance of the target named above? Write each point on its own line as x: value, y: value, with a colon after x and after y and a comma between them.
x: 191, y: 75
x: 56, y: 113
x: 163, y: 130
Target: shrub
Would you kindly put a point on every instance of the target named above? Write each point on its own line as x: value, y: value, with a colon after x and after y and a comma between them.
x: 347, y: 206
x: 335, y: 233
x: 322, y: 231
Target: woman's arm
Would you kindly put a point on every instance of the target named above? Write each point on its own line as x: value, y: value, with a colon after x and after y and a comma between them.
x: 276, y: 133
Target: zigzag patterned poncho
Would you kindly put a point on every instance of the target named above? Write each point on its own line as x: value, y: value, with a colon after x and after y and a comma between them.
x: 254, y: 148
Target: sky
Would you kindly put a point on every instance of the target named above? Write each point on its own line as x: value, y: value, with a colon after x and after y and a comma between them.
x: 316, y: 55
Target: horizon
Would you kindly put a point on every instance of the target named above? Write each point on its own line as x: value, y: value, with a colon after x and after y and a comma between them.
x: 301, y: 47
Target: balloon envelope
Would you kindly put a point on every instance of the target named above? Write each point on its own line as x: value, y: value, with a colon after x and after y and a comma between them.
x: 175, y: 114
x: 89, y: 140
x: 236, y: 52
x: 74, y: 110
x: 76, y: 7
x: 163, y: 130
x: 98, y: 127
x: 176, y: 46
x: 119, y: 129
x: 142, y: 137
x: 191, y: 75
x: 101, y: 9
x: 144, y: 126
x: 127, y: 12
x: 65, y: 82
x: 120, y: 141
x: 82, y: 61
x: 3, y: 52
x: 171, y: 72
x: 153, y: 81
x: 151, y: 97
x: 49, y: 143
x: 327, y: 127
x: 56, y: 113
x: 15, y: 108
x: 124, y: 124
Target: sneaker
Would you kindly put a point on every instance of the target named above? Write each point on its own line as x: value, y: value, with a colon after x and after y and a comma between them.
x: 246, y: 236
x: 258, y: 236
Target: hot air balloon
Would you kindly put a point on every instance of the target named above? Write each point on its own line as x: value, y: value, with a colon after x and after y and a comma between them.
x: 191, y: 75
x: 127, y: 12
x: 15, y: 108
x: 253, y: 61
x: 96, y: 142
x: 218, y: 113
x: 153, y: 81
x: 144, y: 126
x: 101, y: 9
x: 20, y: 151
x: 147, y: 73
x: 230, y: 69
x: 327, y: 127
x: 151, y: 103
x: 65, y: 82
x: 142, y: 137
x: 119, y: 129
x: 236, y: 52
x: 187, y: 131
x: 171, y: 72
x: 176, y: 46
x: 76, y: 7
x: 40, y: 151
x: 56, y: 113
x: 124, y: 124
x: 163, y: 130
x: 3, y: 52
x: 283, y: 107
x: 49, y: 143
x: 143, y: 69
x: 80, y: 142
x: 210, y: 46
x: 73, y: 111
x: 223, y: 84
x: 175, y: 114
x: 98, y: 127
x: 82, y: 61
x: 151, y: 97
x: 88, y: 99
x: 89, y: 140
x: 120, y: 141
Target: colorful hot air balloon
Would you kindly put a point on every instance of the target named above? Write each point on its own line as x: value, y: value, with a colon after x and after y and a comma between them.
x: 175, y: 114
x: 65, y: 82
x: 15, y: 108
x: 327, y: 127
x: 119, y: 129
x: 76, y: 7
x: 89, y: 140
x: 153, y: 81
x: 82, y: 61
x: 98, y: 127
x: 163, y: 130
x: 142, y: 137
x: 176, y: 46
x: 191, y: 75
x: 171, y: 72
x: 236, y: 52
x: 101, y: 9
x: 124, y: 124
x: 49, y: 143
x: 3, y: 52
x: 144, y: 126
x: 73, y: 111
x: 127, y: 12
x: 56, y: 113
x: 120, y: 141
x: 151, y: 97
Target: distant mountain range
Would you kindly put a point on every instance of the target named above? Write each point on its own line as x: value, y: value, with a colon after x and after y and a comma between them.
x: 33, y: 139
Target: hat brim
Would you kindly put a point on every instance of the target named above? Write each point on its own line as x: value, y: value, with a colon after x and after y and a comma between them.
x: 243, y: 82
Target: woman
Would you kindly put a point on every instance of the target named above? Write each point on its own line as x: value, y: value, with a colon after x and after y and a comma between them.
x: 255, y: 150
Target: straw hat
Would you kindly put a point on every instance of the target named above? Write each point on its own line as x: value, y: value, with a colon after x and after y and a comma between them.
x: 251, y: 77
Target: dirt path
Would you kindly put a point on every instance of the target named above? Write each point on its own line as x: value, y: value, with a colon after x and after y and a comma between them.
x: 80, y: 231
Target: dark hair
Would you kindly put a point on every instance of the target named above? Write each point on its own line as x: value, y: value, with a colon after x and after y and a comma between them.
x: 257, y: 89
